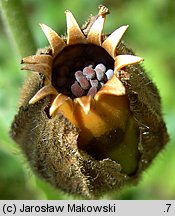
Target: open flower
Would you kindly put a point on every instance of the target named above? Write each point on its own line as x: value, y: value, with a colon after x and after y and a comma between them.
x: 86, y: 86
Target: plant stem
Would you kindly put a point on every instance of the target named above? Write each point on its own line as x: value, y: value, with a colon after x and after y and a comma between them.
x: 16, y: 24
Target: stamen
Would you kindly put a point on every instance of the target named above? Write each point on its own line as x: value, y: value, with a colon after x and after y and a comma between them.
x: 79, y: 68
x: 78, y: 74
x: 99, y: 74
x: 101, y: 67
x: 94, y: 83
x: 84, y: 83
x: 109, y: 74
x: 92, y: 91
x: 89, y: 81
x: 76, y: 90
x: 89, y: 72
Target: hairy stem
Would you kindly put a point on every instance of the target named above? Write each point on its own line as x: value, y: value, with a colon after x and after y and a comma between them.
x: 17, y: 27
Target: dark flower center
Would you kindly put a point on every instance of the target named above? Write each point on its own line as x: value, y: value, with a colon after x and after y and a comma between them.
x: 81, y: 70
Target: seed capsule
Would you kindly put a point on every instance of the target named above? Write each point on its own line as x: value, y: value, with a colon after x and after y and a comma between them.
x: 83, y: 139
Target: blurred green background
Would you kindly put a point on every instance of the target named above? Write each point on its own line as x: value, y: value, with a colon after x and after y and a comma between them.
x: 152, y: 36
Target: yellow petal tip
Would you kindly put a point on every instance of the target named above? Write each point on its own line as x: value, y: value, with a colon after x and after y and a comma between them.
x: 125, y: 60
x: 85, y: 103
x: 56, y: 42
x: 74, y: 33
x: 110, y: 44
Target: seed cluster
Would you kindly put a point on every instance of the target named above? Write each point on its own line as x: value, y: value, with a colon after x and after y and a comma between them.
x: 84, y: 82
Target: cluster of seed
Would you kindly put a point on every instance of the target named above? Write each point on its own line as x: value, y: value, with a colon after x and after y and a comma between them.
x: 82, y: 82
x: 90, y: 80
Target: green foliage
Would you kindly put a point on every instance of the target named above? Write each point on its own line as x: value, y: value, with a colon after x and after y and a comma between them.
x: 151, y: 34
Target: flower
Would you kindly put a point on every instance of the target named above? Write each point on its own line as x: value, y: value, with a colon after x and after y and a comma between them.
x: 89, y: 87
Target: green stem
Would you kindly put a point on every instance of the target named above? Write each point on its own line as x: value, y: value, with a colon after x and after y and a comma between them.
x: 16, y: 24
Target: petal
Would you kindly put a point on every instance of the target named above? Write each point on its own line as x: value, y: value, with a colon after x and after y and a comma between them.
x: 58, y: 101
x: 36, y: 59
x: 56, y: 42
x: 112, y: 41
x: 94, y: 35
x: 41, y: 68
x: 43, y: 92
x: 84, y: 102
x: 74, y: 33
x: 114, y: 87
x: 124, y: 60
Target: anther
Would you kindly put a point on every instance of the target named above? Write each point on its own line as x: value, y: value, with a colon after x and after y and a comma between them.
x: 76, y: 90
x: 89, y: 72
x: 92, y: 91
x: 109, y: 73
x: 94, y: 83
x: 99, y: 74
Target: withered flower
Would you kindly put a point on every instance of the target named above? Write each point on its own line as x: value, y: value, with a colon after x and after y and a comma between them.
x: 90, y: 120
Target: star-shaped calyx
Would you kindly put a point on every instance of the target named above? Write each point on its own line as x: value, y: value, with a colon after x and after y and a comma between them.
x: 82, y: 75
